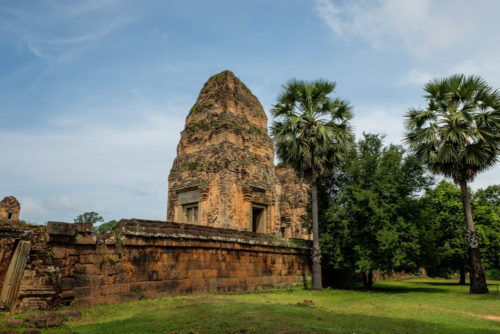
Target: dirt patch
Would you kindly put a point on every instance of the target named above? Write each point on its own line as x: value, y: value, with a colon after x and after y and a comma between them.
x: 482, y: 316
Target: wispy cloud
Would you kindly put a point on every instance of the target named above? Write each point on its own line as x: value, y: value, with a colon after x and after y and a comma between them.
x: 60, y: 49
x: 417, y: 77
x: 329, y: 13
x: 114, y: 170
x: 423, y: 26
x: 380, y: 119
x: 441, y: 37
x: 60, y: 32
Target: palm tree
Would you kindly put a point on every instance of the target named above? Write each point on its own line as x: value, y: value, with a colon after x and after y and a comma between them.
x: 312, y: 135
x: 458, y: 135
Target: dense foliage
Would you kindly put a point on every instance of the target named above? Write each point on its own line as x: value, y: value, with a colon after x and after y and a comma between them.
x: 94, y: 218
x: 108, y: 226
x: 370, y: 222
x: 442, y: 216
x: 89, y: 217
x: 380, y: 212
x: 444, y: 251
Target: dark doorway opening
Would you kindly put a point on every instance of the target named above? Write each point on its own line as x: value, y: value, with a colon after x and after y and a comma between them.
x: 258, y: 219
x: 9, y: 215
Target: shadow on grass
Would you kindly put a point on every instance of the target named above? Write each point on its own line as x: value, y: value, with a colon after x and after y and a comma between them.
x: 416, y: 286
x: 239, y: 317
x: 380, y: 287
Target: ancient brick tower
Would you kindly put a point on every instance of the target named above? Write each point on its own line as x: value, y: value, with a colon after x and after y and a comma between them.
x: 10, y: 208
x: 224, y: 174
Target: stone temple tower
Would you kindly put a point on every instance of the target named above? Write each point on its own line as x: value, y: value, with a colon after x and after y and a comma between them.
x: 10, y: 208
x: 224, y: 174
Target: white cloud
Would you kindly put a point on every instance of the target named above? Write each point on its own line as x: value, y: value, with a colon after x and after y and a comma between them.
x: 388, y: 120
x: 32, y: 210
x: 60, y: 203
x: 381, y: 120
x: 441, y: 37
x: 329, y: 13
x: 417, y: 77
x: 118, y: 171
x: 424, y: 27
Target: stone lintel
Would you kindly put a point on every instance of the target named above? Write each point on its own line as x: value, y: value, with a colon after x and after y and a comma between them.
x: 15, y: 229
x: 187, y: 197
x: 170, y: 230
x: 61, y: 228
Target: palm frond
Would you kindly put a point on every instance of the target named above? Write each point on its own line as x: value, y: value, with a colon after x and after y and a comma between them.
x: 458, y: 134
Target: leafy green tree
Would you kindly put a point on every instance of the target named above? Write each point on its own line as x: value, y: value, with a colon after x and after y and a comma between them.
x: 487, y: 221
x: 444, y: 250
x: 371, y: 220
x: 444, y: 247
x: 89, y: 217
x: 108, y: 226
x: 489, y: 196
x: 312, y: 135
x: 458, y: 135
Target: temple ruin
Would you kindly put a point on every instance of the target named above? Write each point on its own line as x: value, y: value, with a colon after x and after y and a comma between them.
x: 224, y: 174
x: 10, y: 208
x: 228, y: 210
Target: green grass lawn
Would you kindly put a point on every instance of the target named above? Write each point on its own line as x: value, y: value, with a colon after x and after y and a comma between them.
x: 407, y: 306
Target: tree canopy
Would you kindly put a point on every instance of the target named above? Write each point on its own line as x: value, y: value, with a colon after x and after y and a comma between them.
x: 371, y: 218
x: 89, y: 217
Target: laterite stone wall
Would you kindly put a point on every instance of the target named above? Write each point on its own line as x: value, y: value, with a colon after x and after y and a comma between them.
x: 70, y: 264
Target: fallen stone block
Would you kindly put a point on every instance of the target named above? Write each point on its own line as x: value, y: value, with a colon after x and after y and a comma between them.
x: 12, y: 322
x: 71, y: 314
x: 54, y: 319
x: 9, y: 332
x: 36, y: 320
x: 31, y: 331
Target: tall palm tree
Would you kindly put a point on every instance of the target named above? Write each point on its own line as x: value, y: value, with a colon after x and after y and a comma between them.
x: 312, y: 135
x: 458, y: 135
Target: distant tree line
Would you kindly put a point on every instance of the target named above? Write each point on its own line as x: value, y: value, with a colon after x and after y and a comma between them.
x: 95, y: 218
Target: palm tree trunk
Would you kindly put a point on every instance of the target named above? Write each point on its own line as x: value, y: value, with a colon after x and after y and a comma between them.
x: 477, y: 276
x: 316, y: 251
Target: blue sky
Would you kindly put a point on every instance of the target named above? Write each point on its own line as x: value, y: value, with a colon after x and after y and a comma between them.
x: 94, y: 94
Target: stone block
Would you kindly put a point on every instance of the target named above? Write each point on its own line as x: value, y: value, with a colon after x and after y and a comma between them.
x: 12, y: 322
x: 84, y: 302
x: 36, y: 320
x: 60, y: 228
x: 68, y: 283
x: 71, y: 314
x: 59, y: 252
x: 82, y: 292
x: 9, y: 332
x: 54, y: 319
x: 31, y: 331
x: 84, y: 227
x: 67, y: 295
x: 85, y: 239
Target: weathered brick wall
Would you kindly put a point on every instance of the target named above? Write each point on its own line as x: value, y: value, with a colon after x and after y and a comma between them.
x: 145, y: 259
